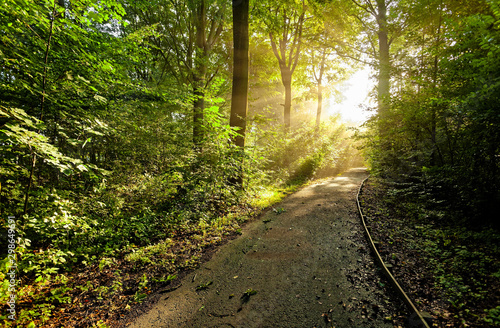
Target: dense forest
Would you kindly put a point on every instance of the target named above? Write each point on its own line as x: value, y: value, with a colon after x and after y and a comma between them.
x: 133, y: 134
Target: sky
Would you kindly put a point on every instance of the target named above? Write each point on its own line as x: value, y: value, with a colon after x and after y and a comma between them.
x: 356, y: 91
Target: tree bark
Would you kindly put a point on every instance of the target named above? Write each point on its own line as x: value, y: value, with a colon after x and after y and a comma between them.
x: 434, y: 108
x: 290, y: 40
x: 240, y: 70
x: 319, y: 80
x: 239, y: 99
x: 320, y: 105
x: 384, y: 59
x: 286, y: 78
x: 199, y: 77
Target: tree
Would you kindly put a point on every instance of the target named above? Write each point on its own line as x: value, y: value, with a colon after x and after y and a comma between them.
x: 239, y: 97
x: 183, y: 36
x: 378, y: 10
x: 284, y: 23
x: 326, y: 65
x: 439, y: 127
x: 328, y: 52
x: 51, y: 96
x: 318, y: 76
x: 205, y: 41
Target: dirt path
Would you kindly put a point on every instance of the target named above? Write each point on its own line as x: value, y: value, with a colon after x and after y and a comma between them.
x: 308, y: 266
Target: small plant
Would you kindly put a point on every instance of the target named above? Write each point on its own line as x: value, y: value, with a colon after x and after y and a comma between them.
x: 100, y: 324
x: 103, y: 292
x: 279, y: 210
x: 144, y: 282
x: 140, y: 297
x: 246, y: 295
x: 141, y: 294
x: 105, y: 262
x: 164, y: 279
x: 59, y: 295
x: 204, y: 286
x: 85, y: 288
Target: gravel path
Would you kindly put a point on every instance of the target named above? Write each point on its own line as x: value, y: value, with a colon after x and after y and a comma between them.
x: 305, y: 266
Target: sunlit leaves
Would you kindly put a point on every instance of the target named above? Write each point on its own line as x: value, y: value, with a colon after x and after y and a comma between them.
x: 20, y: 137
x: 444, y: 115
x: 55, y: 84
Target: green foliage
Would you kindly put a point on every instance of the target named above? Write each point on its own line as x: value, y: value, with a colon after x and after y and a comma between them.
x: 442, y: 128
x: 293, y: 158
x: 247, y: 294
x: 164, y: 279
x: 96, y: 139
x: 53, y: 87
x: 204, y: 286
x: 463, y: 261
x: 493, y: 316
x: 279, y: 210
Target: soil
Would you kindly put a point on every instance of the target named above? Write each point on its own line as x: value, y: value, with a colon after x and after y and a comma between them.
x: 303, y: 264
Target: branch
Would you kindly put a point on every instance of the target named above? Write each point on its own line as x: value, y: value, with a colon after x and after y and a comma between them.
x: 362, y: 21
x: 369, y: 8
x: 299, y: 41
x: 215, y: 32
x: 181, y: 60
x: 275, y: 50
x: 209, y: 80
x: 294, y: 43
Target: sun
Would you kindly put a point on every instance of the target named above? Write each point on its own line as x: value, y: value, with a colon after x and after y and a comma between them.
x: 355, y: 99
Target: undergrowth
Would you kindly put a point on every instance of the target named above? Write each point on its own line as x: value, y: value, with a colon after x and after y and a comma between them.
x: 108, y: 244
x: 423, y: 237
x: 112, y: 274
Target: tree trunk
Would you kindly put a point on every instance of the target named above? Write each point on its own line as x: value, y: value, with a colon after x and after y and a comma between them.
x: 384, y: 59
x: 239, y: 99
x: 286, y: 77
x: 319, y: 80
x: 290, y: 40
x: 434, y: 107
x: 320, y: 106
x: 240, y: 70
x: 199, y: 77
x: 198, y: 107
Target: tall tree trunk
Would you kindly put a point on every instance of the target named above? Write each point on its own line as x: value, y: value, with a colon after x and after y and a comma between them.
x: 319, y: 80
x: 320, y: 106
x: 199, y: 77
x: 286, y: 77
x: 198, y: 107
x: 434, y: 107
x: 290, y: 43
x: 239, y: 97
x: 384, y: 59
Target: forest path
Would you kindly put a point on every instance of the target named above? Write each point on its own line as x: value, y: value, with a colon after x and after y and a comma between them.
x: 308, y: 265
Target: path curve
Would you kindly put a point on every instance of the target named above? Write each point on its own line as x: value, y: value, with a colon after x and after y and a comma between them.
x: 308, y: 265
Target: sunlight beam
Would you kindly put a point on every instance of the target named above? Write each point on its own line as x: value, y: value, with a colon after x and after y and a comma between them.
x: 355, y: 98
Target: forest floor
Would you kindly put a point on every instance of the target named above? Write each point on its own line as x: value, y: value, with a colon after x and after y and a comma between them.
x: 305, y: 263
x: 448, y: 269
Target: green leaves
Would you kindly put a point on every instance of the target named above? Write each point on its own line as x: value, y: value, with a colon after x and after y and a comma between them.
x: 22, y: 137
x: 18, y: 115
x: 99, y: 12
x: 204, y: 286
x: 246, y: 295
